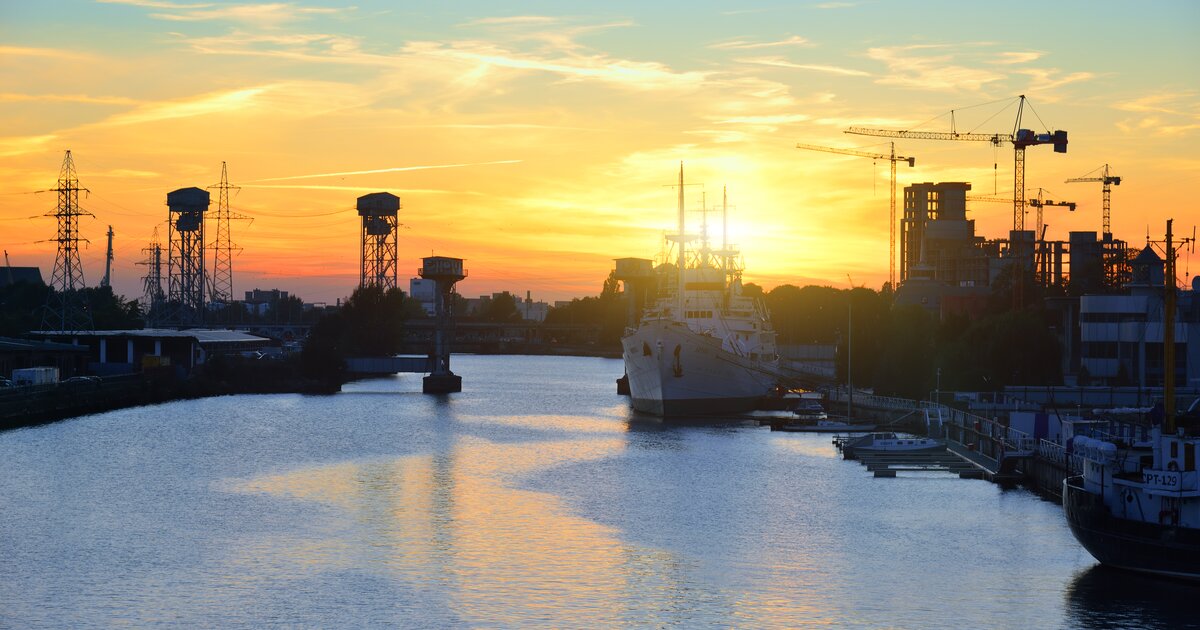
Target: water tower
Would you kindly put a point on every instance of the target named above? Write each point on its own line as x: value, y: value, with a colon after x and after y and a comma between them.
x: 185, y: 258
x: 379, y: 224
x: 444, y: 272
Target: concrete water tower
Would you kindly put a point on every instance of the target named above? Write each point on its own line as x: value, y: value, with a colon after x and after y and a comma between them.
x: 379, y: 225
x: 444, y: 272
x: 185, y: 257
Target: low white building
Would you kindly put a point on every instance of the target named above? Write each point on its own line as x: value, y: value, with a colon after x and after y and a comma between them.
x: 1121, y: 336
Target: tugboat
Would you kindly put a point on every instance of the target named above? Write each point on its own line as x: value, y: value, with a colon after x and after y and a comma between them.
x: 1137, y: 507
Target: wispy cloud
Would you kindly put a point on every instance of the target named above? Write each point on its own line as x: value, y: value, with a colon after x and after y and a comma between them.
x: 395, y: 169
x: 11, y: 97
x: 27, y: 144
x: 1165, y: 114
x: 778, y: 119
x: 465, y: 63
x: 780, y: 62
x: 1163, y: 102
x: 636, y: 75
x: 159, y: 4
x: 411, y: 191
x: 522, y: 20
x: 224, y: 101
x: 835, y: 5
x: 261, y: 14
x: 50, y: 53
x: 741, y: 44
x: 907, y: 68
x: 1012, y: 58
x: 1048, y: 78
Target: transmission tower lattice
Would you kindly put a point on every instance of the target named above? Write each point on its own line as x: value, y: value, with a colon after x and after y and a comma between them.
x: 222, y: 274
x: 65, y: 306
x: 152, y: 283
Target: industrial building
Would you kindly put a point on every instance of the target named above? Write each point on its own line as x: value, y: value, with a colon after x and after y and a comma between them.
x: 13, y: 275
x: 127, y: 351
x: 71, y: 360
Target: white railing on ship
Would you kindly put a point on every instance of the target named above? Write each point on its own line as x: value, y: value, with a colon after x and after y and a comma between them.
x: 1057, y: 453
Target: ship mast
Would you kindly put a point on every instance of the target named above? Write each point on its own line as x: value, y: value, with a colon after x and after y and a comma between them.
x: 1169, y: 336
x: 725, y: 232
x: 682, y: 252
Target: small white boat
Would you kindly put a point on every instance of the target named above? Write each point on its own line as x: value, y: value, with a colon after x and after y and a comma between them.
x: 891, y: 443
x: 824, y: 425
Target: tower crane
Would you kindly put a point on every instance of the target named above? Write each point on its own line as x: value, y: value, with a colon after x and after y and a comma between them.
x: 1039, y: 203
x: 1108, y: 179
x: 1020, y: 139
x: 890, y: 157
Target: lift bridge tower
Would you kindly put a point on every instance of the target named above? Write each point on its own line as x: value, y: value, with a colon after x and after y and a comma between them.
x: 379, y: 213
x: 185, y: 258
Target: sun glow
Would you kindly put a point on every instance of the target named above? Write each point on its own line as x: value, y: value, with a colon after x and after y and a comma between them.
x: 540, y: 147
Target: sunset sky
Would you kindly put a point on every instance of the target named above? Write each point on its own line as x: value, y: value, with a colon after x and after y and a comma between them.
x: 537, y: 140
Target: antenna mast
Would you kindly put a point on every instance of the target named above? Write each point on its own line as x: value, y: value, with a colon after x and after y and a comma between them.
x: 108, y: 258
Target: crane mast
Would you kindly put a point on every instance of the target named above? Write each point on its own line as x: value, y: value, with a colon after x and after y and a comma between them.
x: 1108, y: 179
x: 892, y: 158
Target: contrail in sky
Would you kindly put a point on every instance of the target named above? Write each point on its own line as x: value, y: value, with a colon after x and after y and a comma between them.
x: 385, y: 170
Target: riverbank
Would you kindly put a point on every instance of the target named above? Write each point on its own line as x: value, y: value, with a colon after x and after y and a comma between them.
x: 34, y: 405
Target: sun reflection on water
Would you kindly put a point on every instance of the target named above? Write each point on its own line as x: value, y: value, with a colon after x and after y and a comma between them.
x: 503, y: 554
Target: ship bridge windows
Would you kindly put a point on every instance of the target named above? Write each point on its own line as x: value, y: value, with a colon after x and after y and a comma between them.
x: 698, y: 314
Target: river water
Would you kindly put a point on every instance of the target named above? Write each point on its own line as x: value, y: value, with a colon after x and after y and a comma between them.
x: 533, y: 498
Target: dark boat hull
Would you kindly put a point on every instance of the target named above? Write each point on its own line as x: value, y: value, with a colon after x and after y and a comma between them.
x: 1127, y: 544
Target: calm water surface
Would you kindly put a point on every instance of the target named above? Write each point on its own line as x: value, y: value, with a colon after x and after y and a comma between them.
x: 534, y: 498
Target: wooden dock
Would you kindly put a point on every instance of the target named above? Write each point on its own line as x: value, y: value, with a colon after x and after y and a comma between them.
x: 888, y: 464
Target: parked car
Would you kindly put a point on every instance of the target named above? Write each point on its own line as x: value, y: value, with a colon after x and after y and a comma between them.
x: 6, y: 383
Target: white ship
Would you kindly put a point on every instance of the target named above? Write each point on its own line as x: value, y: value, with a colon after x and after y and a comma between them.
x: 701, y: 347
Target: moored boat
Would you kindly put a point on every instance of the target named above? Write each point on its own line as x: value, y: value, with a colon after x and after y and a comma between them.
x: 701, y: 347
x: 1137, y: 506
x: 888, y: 442
x: 821, y: 426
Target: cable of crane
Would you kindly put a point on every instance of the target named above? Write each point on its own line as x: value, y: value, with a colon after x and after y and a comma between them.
x: 989, y: 118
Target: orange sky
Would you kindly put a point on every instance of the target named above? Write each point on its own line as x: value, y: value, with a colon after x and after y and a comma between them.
x: 554, y: 129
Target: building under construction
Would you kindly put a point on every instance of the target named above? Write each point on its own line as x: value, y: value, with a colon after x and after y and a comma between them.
x: 941, y: 256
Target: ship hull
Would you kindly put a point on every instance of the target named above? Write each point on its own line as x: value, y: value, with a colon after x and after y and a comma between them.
x: 675, y: 372
x: 1128, y: 544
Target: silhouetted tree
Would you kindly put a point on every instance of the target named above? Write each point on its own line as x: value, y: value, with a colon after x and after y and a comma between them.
x: 501, y: 308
